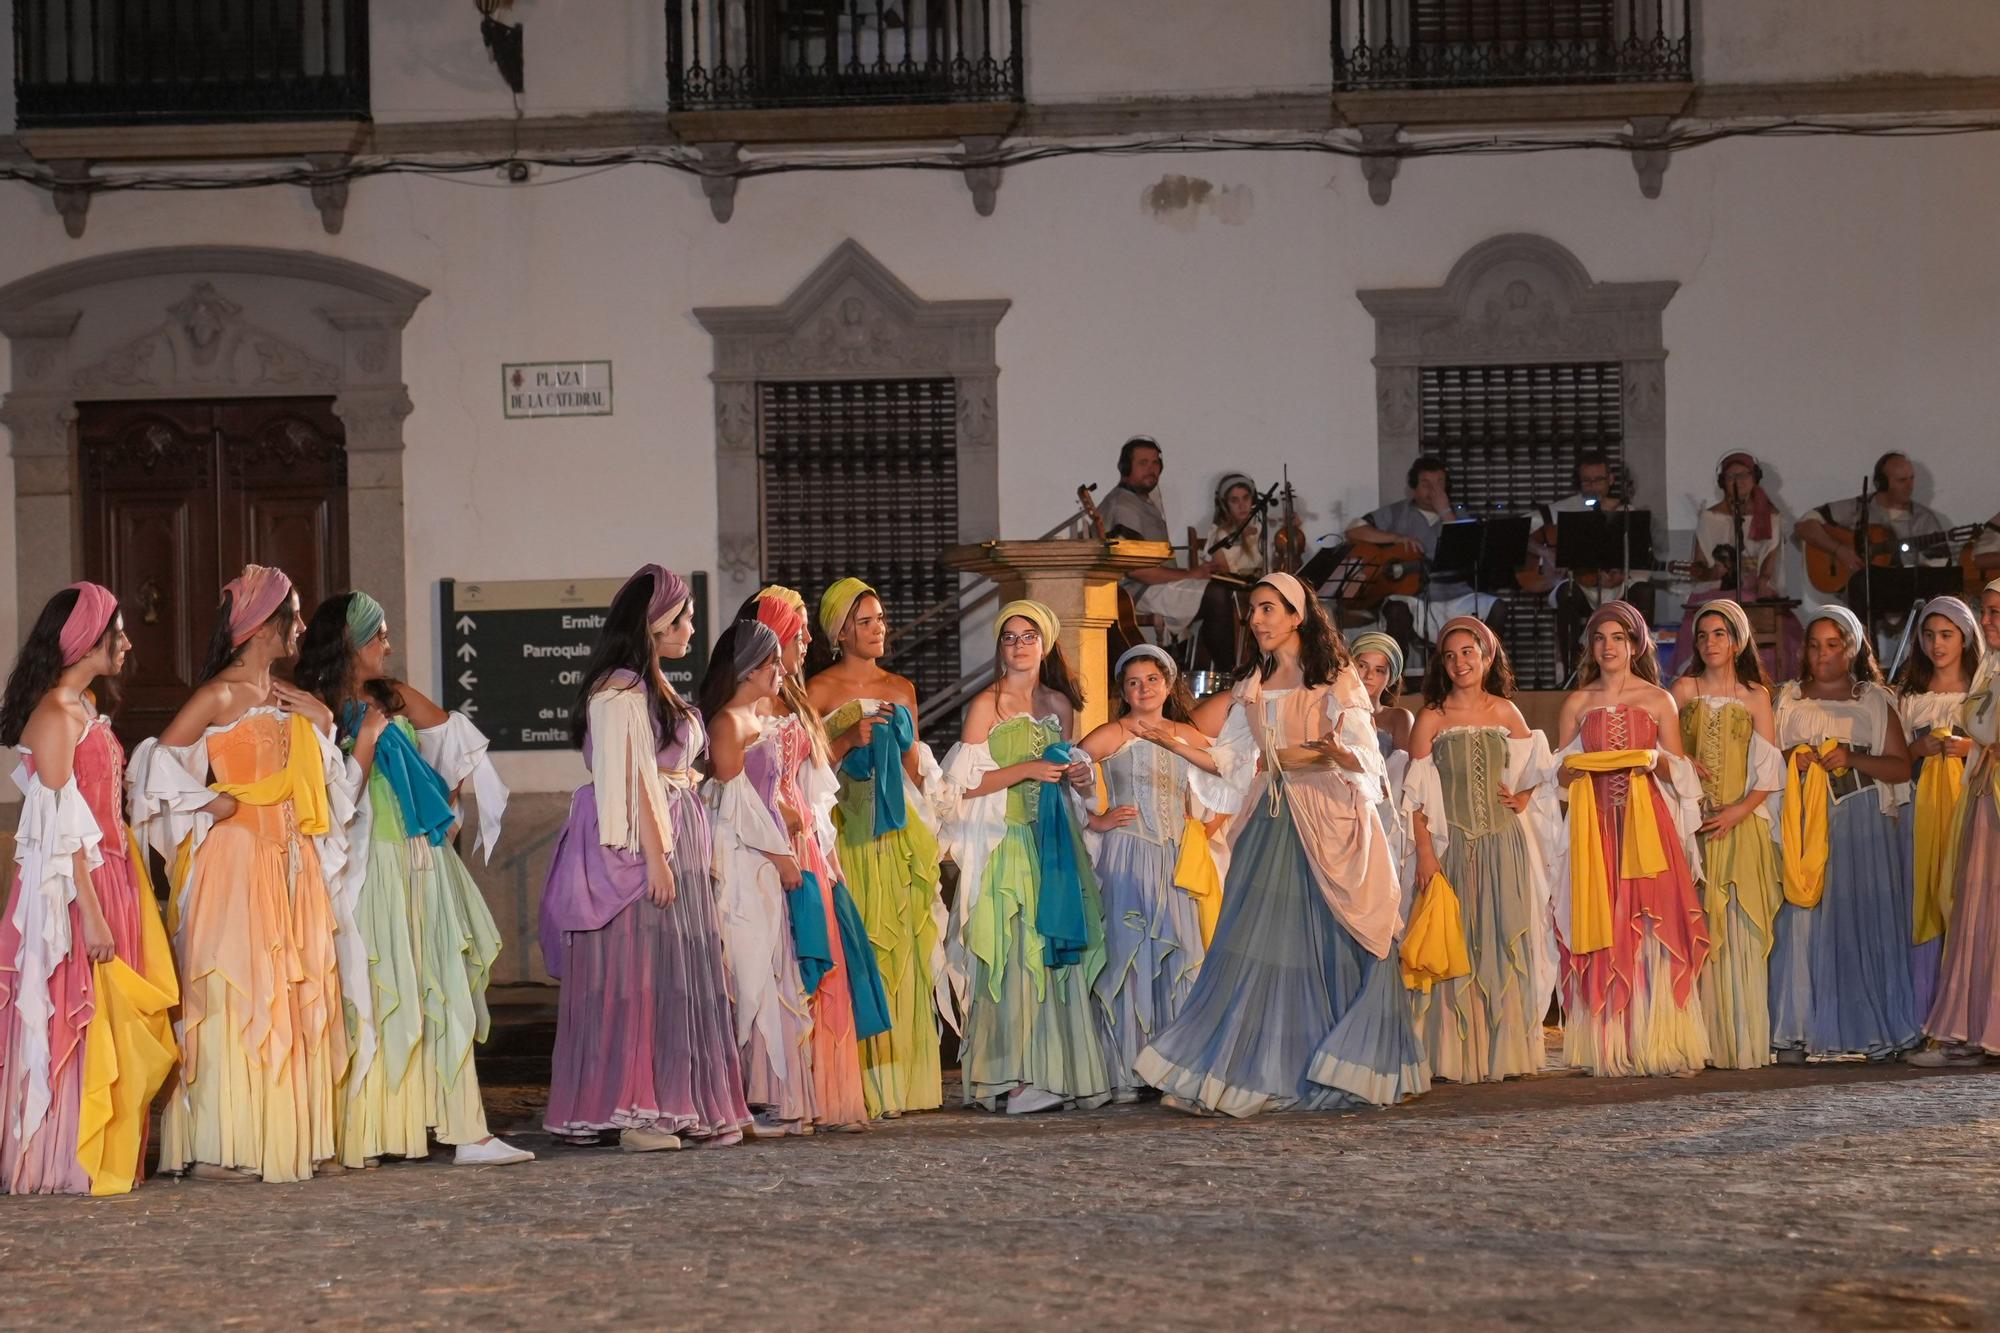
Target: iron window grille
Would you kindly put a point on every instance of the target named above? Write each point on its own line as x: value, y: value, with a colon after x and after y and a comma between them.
x: 727, y: 54
x: 1405, y: 44
x: 127, y: 62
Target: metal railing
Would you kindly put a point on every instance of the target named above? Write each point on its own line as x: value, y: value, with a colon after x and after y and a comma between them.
x: 129, y: 62
x: 764, y: 53
x: 1405, y: 44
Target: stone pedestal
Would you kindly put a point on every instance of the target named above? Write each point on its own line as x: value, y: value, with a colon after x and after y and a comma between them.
x: 1078, y: 580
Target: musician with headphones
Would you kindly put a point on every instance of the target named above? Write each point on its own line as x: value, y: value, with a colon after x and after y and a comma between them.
x: 1739, y: 554
x: 1892, y: 504
x: 1420, y: 518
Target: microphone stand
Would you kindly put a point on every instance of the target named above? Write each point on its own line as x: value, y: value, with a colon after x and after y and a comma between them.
x: 1736, y: 535
x: 1861, y: 553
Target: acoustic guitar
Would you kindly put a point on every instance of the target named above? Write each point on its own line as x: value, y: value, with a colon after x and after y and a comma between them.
x: 1366, y: 574
x: 1884, y: 546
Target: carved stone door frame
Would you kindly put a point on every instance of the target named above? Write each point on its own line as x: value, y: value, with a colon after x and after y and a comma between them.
x: 850, y: 319
x: 1522, y: 300
x: 205, y: 322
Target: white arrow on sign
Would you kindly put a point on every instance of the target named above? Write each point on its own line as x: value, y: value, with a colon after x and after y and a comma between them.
x: 466, y: 652
x: 468, y: 708
x: 466, y: 680
x: 466, y: 624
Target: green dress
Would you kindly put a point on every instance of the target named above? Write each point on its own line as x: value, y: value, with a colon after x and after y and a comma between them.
x: 431, y: 945
x: 893, y: 880
x: 1740, y: 889
x: 1027, y: 1022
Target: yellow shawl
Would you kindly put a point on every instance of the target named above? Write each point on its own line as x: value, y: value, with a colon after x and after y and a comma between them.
x: 1804, y: 816
x: 1644, y: 855
x: 302, y: 781
x: 1434, y: 945
x: 1938, y: 788
x: 1194, y: 875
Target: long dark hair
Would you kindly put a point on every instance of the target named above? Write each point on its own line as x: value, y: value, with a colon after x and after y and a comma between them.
x: 626, y: 644
x: 1179, y: 706
x: 326, y: 657
x: 1866, y: 670
x: 1499, y: 680
x: 1322, y: 651
x: 1749, y: 662
x: 40, y: 665
x: 720, y: 683
x: 1918, y: 673
x: 223, y: 650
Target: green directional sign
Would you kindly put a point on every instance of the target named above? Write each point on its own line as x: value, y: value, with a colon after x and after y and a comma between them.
x: 515, y: 652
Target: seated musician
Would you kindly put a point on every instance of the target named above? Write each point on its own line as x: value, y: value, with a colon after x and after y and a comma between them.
x: 1986, y: 550
x: 1574, y: 599
x: 1235, y: 544
x: 1918, y: 530
x: 1758, y: 556
x: 1420, y: 518
x: 1175, y: 594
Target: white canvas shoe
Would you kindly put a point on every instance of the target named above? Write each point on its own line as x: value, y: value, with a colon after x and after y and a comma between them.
x: 493, y: 1152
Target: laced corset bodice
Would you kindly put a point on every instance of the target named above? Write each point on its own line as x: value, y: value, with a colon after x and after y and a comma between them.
x: 1618, y: 727
x: 1153, y: 781
x: 1472, y: 767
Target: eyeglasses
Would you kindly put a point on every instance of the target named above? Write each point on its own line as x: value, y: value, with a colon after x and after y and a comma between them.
x: 1027, y: 638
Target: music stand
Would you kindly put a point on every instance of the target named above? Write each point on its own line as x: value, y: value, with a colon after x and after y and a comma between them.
x: 1885, y: 586
x: 1484, y: 553
x: 1590, y: 541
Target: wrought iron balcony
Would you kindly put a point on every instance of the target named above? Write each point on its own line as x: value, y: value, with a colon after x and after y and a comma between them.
x: 768, y: 53
x: 1411, y: 44
x: 131, y: 62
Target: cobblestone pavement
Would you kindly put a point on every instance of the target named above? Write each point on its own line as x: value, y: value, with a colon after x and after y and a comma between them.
x: 1842, y: 1197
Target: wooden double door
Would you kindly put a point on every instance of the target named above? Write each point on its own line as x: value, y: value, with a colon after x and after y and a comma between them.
x: 178, y: 497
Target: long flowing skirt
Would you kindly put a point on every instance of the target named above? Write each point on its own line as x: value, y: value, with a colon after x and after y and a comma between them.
x: 1735, y: 984
x: 1153, y: 949
x: 1926, y: 957
x: 1286, y: 998
x: 1487, y: 1026
x: 644, y: 1037
x: 45, y: 1161
x: 1026, y: 1022
x: 894, y: 883
x: 263, y: 1041
x: 1967, y: 1007
x: 1840, y: 972
x: 836, y: 1060
x: 431, y: 946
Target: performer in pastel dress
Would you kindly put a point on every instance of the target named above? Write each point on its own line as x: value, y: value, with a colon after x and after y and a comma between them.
x: 1378, y: 659
x: 886, y: 845
x: 1154, y: 869
x: 1027, y: 929
x: 430, y: 939
x: 1477, y: 778
x: 262, y: 1026
x: 1840, y: 970
x: 1629, y: 914
x: 86, y: 975
x: 1964, y: 1018
x: 1940, y: 659
x: 645, y: 1041
x: 1729, y: 732
x: 1300, y: 1001
x: 758, y: 878
x: 836, y: 960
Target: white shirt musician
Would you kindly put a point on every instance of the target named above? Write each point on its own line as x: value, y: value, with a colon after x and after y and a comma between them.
x: 1421, y: 518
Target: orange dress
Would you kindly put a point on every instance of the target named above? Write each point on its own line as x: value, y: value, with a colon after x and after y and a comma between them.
x: 263, y: 1034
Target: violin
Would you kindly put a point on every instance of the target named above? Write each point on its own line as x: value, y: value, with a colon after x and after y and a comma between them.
x: 1288, y: 538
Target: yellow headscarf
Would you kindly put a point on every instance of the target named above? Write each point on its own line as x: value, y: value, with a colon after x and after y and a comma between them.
x: 1036, y: 614
x: 836, y: 604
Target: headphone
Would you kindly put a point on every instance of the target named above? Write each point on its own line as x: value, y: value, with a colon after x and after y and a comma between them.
x: 1427, y: 463
x: 1882, y: 482
x: 1756, y: 469
x: 1131, y: 446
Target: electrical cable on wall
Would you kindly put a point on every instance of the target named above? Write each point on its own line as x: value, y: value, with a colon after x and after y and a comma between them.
x: 1683, y: 138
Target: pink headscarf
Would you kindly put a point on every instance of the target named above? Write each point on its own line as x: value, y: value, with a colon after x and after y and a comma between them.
x: 1629, y: 620
x: 254, y: 597
x: 785, y: 620
x: 88, y: 619
x: 1288, y: 588
x: 1481, y: 632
